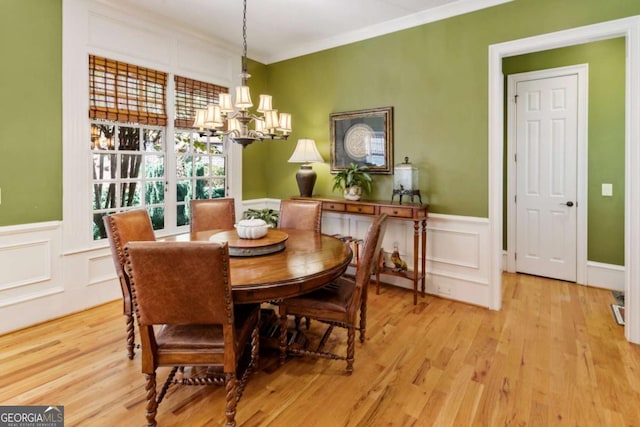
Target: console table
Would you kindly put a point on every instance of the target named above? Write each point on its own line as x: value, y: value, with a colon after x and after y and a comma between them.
x: 408, y: 211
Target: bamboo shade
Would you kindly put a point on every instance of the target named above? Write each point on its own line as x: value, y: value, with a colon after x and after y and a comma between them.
x: 126, y: 93
x: 192, y: 95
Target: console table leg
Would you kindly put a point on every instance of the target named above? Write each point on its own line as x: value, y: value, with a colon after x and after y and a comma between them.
x: 416, y: 270
x: 424, y: 255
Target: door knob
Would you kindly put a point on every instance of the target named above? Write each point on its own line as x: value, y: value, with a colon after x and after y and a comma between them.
x: 569, y: 203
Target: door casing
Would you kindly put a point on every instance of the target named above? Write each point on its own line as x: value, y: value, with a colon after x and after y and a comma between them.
x: 629, y: 29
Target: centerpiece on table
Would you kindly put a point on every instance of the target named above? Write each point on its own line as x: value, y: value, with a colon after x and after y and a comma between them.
x: 252, y: 228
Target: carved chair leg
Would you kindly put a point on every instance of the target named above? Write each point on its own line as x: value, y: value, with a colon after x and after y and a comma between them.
x: 363, y: 317
x: 152, y: 404
x: 351, y: 348
x: 283, y: 338
x: 230, y: 410
x: 168, y: 383
x: 254, y: 362
x: 297, y: 322
x: 324, y: 338
x: 255, y: 349
x: 131, y: 337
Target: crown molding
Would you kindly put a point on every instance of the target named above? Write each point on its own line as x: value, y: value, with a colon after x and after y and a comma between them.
x: 449, y: 10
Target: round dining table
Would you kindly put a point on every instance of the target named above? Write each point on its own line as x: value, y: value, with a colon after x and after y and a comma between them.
x: 306, y: 260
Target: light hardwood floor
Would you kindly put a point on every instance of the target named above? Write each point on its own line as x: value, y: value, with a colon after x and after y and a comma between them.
x: 552, y: 356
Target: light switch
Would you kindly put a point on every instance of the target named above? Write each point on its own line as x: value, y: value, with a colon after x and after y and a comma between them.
x: 607, y: 190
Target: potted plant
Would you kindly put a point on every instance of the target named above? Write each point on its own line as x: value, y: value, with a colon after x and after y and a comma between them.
x: 353, y: 181
x: 270, y: 216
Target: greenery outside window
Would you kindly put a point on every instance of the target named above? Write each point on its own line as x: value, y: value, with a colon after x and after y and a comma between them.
x: 201, y: 171
x: 128, y: 171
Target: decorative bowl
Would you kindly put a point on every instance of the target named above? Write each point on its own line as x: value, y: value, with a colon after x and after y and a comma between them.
x: 252, y: 228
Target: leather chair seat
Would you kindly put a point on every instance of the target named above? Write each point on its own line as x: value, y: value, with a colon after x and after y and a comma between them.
x: 333, y: 298
x: 207, y: 337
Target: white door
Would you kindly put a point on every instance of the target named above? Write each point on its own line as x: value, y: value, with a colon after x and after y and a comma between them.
x: 546, y: 189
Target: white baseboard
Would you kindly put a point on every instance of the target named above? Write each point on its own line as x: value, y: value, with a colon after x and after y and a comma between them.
x: 599, y: 275
x: 606, y: 276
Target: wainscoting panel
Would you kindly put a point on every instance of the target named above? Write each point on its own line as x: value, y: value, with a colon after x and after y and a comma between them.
x: 101, y: 269
x: 30, y: 273
x: 39, y: 282
x: 14, y: 272
x: 457, y: 267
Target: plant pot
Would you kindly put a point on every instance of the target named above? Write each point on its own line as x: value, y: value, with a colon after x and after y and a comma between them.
x: 353, y: 193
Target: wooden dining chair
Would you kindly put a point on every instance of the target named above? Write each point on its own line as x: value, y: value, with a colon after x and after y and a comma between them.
x: 122, y: 228
x: 210, y: 214
x: 338, y: 303
x: 187, y: 319
x: 301, y: 215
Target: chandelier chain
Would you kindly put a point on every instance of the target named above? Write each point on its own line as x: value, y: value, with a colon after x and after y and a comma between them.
x: 244, y: 38
x: 237, y: 118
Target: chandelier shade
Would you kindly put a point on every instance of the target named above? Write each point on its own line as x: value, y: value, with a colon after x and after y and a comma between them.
x: 242, y: 126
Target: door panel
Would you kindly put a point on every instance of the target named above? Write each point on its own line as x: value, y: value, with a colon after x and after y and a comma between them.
x: 546, y: 148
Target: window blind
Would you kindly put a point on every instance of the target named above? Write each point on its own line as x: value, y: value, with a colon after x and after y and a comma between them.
x: 126, y: 93
x: 191, y: 95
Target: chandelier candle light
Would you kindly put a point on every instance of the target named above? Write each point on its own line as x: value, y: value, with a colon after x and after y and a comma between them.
x: 269, y: 125
x: 305, y: 153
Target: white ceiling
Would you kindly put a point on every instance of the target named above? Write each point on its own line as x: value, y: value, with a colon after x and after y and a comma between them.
x: 283, y: 29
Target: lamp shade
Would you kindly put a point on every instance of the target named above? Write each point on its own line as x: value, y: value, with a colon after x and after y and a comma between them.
x: 306, y: 152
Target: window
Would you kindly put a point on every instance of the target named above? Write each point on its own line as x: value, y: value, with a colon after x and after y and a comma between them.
x: 200, y: 159
x: 128, y: 171
x: 127, y: 105
x: 129, y: 150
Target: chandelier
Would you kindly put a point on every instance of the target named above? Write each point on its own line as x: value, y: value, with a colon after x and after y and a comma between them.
x: 236, y: 117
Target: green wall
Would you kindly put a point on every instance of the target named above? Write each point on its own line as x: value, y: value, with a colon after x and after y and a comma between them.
x: 435, y: 76
x: 30, y: 111
x: 606, y: 143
